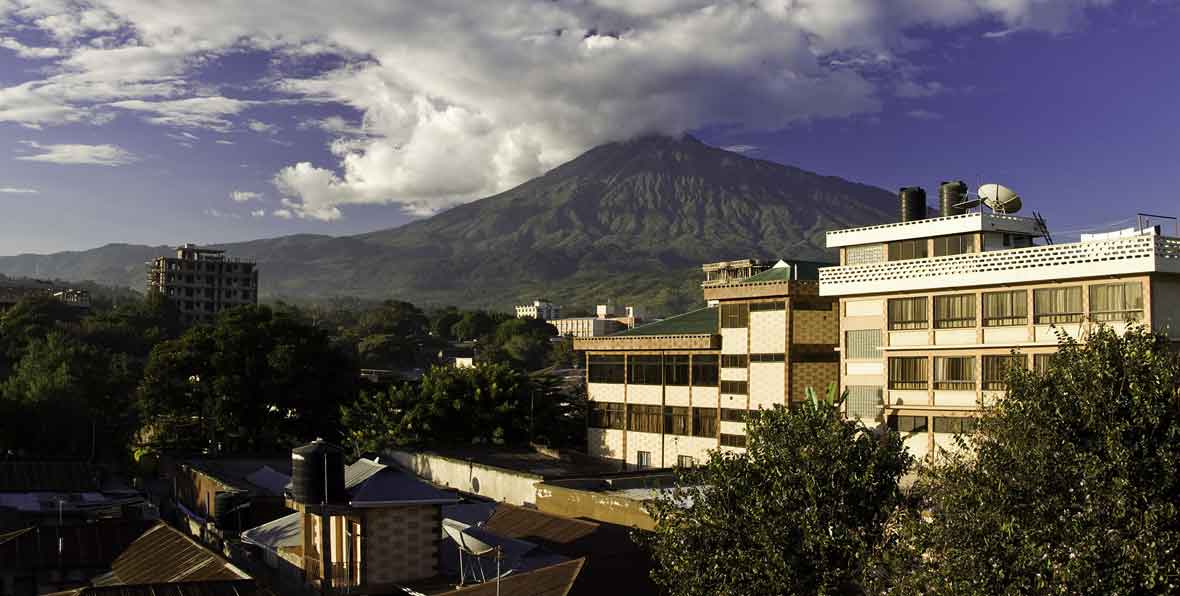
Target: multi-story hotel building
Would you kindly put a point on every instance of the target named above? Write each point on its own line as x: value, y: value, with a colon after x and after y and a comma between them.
x: 665, y: 393
x: 202, y: 282
x: 932, y: 311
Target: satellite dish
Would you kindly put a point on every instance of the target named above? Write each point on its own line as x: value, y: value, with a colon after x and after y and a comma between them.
x: 466, y: 542
x: 1000, y: 198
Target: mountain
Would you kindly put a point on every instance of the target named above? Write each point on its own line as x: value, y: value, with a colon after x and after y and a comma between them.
x: 630, y: 221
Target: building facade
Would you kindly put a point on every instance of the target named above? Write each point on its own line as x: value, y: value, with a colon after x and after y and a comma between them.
x: 666, y: 393
x: 539, y: 309
x: 934, y: 311
x: 202, y: 282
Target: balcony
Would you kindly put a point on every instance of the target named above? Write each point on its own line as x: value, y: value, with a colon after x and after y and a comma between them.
x: 1119, y: 256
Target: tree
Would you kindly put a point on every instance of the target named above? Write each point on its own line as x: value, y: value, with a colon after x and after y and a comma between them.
x: 800, y: 512
x: 443, y: 321
x: 254, y: 379
x: 30, y: 319
x: 473, y: 325
x: 1068, y: 487
x: 487, y: 404
x: 525, y: 343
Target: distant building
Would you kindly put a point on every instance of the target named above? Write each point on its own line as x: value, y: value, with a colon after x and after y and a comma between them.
x: 10, y: 295
x: 587, y: 326
x: 539, y: 309
x: 203, y: 281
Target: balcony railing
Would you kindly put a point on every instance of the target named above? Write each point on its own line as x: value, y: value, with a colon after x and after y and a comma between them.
x: 1134, y: 254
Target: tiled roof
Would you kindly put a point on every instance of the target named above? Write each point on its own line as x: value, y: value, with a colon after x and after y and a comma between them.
x: 555, y: 580
x: 698, y: 322
x: 164, y: 555
x: 41, y: 476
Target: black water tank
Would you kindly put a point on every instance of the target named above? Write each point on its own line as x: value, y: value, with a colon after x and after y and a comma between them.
x: 949, y: 195
x: 309, y: 477
x: 226, y: 512
x: 913, y: 203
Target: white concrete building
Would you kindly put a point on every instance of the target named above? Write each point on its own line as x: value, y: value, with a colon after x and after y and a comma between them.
x: 931, y: 310
x: 539, y: 309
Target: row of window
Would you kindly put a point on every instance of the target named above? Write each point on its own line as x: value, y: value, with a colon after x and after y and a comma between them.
x: 743, y: 360
x: 942, y: 424
x: 1108, y: 302
x: 672, y: 369
x: 672, y: 420
x: 958, y: 372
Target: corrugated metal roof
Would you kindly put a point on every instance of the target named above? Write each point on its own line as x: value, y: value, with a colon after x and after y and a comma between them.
x: 555, y: 580
x: 370, y: 482
x: 42, y: 476
x: 164, y: 555
x: 284, y: 532
x: 205, y: 588
x: 93, y: 545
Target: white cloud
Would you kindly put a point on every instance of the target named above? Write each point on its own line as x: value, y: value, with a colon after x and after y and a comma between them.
x: 518, y: 87
x: 258, y: 213
x: 99, y: 155
x: 223, y: 142
x: 924, y: 115
x: 10, y: 190
x: 219, y: 213
x: 262, y: 127
x: 914, y: 89
x: 282, y: 213
x: 741, y: 148
x: 25, y: 51
x: 242, y: 196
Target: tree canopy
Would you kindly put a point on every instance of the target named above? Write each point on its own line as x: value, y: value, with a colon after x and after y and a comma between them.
x: 1070, y: 485
x: 800, y: 512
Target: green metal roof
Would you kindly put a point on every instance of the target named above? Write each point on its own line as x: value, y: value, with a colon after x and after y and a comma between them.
x: 808, y: 270
x: 698, y: 322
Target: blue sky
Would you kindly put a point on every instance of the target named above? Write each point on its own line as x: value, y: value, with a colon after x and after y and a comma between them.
x: 220, y: 121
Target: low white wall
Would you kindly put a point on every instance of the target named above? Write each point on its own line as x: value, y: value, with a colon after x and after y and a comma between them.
x: 508, y: 486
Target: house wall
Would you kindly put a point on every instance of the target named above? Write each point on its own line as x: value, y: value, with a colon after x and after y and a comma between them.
x: 401, y: 544
x: 494, y: 483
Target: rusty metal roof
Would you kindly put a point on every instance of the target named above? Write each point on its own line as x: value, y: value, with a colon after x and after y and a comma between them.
x: 164, y: 555
x: 551, y: 531
x: 555, y: 580
x: 241, y: 587
x: 48, y: 476
x: 93, y: 545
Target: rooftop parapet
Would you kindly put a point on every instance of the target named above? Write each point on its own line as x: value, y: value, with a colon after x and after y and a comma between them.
x: 1118, y: 256
x: 979, y: 221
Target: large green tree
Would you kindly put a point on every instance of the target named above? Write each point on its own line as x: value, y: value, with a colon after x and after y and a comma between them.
x: 1071, y: 485
x: 800, y: 512
x: 488, y: 404
x: 255, y: 379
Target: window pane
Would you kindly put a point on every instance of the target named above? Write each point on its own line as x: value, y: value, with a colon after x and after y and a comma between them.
x: 907, y: 373
x: 704, y: 422
x: 907, y: 313
x: 733, y: 415
x: 606, y: 369
x: 957, y: 373
x: 864, y: 401
x: 735, y: 315
x: 1057, y: 305
x: 676, y: 370
x: 995, y: 370
x: 733, y: 361
x: 675, y: 420
x: 644, y: 418
x: 734, y: 387
x: 953, y: 312
x: 863, y: 344
x: 733, y: 440
x: 704, y: 370
x: 864, y: 255
x: 1116, y: 302
x: 1002, y: 309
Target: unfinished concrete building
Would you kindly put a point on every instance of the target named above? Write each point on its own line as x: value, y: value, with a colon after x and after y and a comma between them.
x: 203, y: 281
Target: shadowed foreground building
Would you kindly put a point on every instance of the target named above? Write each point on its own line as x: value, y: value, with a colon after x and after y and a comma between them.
x: 202, y: 282
x: 666, y: 393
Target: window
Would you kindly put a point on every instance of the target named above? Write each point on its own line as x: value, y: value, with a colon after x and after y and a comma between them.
x: 863, y: 344
x: 733, y: 415
x: 907, y: 372
x: 704, y: 371
x: 676, y: 370
x: 907, y: 249
x: 907, y: 313
x: 644, y: 419
x: 607, y: 415
x: 733, y: 361
x: 643, y: 459
x: 1117, y: 302
x: 767, y: 306
x: 864, y: 401
x: 864, y: 254
x: 606, y: 369
x: 1005, y: 309
x: 957, y: 426
x: 995, y: 371
x: 954, y: 372
x: 1042, y: 362
x: 675, y: 420
x: 767, y: 357
x: 735, y: 315
x: 954, y: 245
x: 733, y: 440
x: 704, y: 422
x: 954, y: 312
x: 1057, y: 305
x: 734, y: 387
x: 908, y: 424
x: 685, y: 461
x: 823, y: 306
x: 644, y: 370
